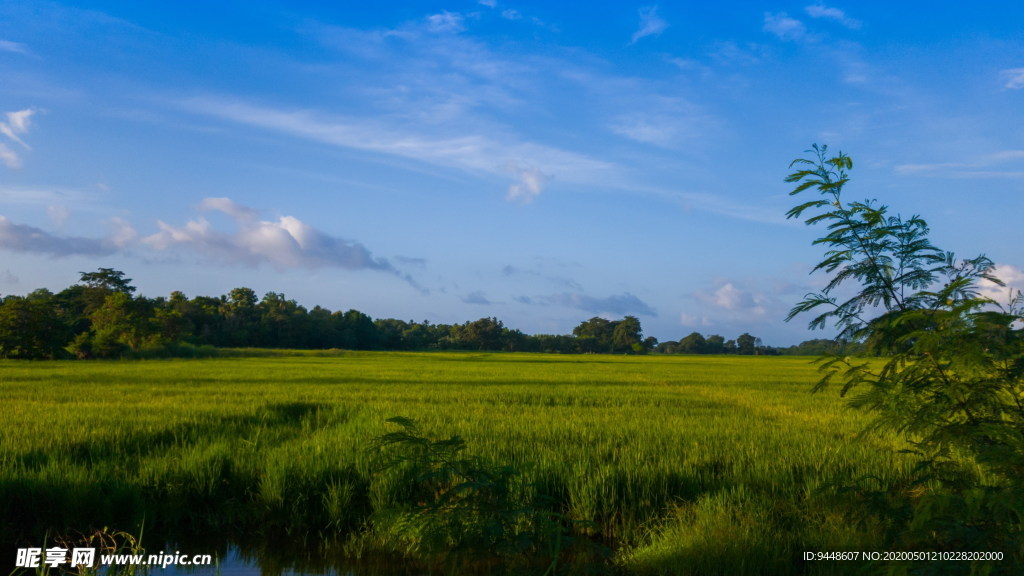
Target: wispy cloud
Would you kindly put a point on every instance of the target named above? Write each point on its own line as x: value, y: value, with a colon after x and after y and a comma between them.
x: 644, y: 129
x: 542, y: 270
x: 784, y: 27
x: 17, y: 124
x: 446, y: 22
x: 650, y: 23
x: 1013, y: 78
x: 16, y: 47
x: 23, y: 238
x: 531, y: 164
x: 45, y: 196
x: 285, y: 243
x: 984, y: 167
x: 834, y: 14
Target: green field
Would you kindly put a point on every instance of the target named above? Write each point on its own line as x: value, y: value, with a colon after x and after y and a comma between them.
x: 677, y: 464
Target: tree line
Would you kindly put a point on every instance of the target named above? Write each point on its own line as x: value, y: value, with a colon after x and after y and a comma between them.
x: 102, y: 317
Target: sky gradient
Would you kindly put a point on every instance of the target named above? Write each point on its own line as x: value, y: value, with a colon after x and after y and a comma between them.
x: 541, y: 164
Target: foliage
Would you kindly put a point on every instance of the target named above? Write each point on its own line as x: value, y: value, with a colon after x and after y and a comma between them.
x: 462, y: 511
x: 599, y: 335
x: 953, y: 376
x: 101, y: 317
x: 32, y: 327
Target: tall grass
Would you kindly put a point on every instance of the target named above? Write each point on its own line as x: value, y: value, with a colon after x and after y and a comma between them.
x: 709, y: 464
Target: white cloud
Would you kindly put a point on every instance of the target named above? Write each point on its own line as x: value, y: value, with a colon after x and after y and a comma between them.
x: 17, y: 124
x: 9, y: 157
x: 19, y: 121
x: 829, y: 13
x: 446, y: 22
x: 1013, y: 78
x: 530, y: 185
x: 511, y: 15
x: 229, y: 207
x: 1012, y: 277
x: 784, y: 27
x: 285, y: 243
x: 488, y: 3
x: 729, y: 297
x: 650, y: 23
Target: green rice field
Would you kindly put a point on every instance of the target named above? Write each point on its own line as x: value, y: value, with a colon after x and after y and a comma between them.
x: 663, y: 464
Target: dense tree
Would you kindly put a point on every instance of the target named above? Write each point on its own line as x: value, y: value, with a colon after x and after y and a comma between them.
x: 746, y: 344
x: 715, y: 344
x: 693, y: 344
x: 241, y: 317
x: 627, y: 335
x: 594, y: 335
x: 32, y: 327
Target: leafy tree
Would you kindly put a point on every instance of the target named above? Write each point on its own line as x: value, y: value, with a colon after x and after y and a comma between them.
x: 668, y: 347
x: 594, y: 335
x: 359, y: 332
x: 746, y: 344
x: 715, y: 344
x: 241, y: 317
x: 693, y: 344
x: 107, y: 279
x: 953, y: 376
x: 627, y: 335
x: 482, y: 334
x: 32, y: 327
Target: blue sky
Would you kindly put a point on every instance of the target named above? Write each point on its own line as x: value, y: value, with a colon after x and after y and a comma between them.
x: 540, y: 163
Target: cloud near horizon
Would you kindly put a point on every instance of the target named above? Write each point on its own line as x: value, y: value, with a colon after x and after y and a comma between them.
x: 24, y: 238
x: 285, y: 243
x: 624, y: 304
x: 1012, y: 277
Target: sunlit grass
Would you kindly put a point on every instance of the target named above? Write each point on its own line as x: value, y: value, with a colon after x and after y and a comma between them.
x: 678, y: 461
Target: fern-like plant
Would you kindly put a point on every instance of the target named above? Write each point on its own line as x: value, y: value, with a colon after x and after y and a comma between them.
x: 952, y: 374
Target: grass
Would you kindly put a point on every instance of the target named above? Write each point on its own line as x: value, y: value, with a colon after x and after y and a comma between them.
x: 678, y: 464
